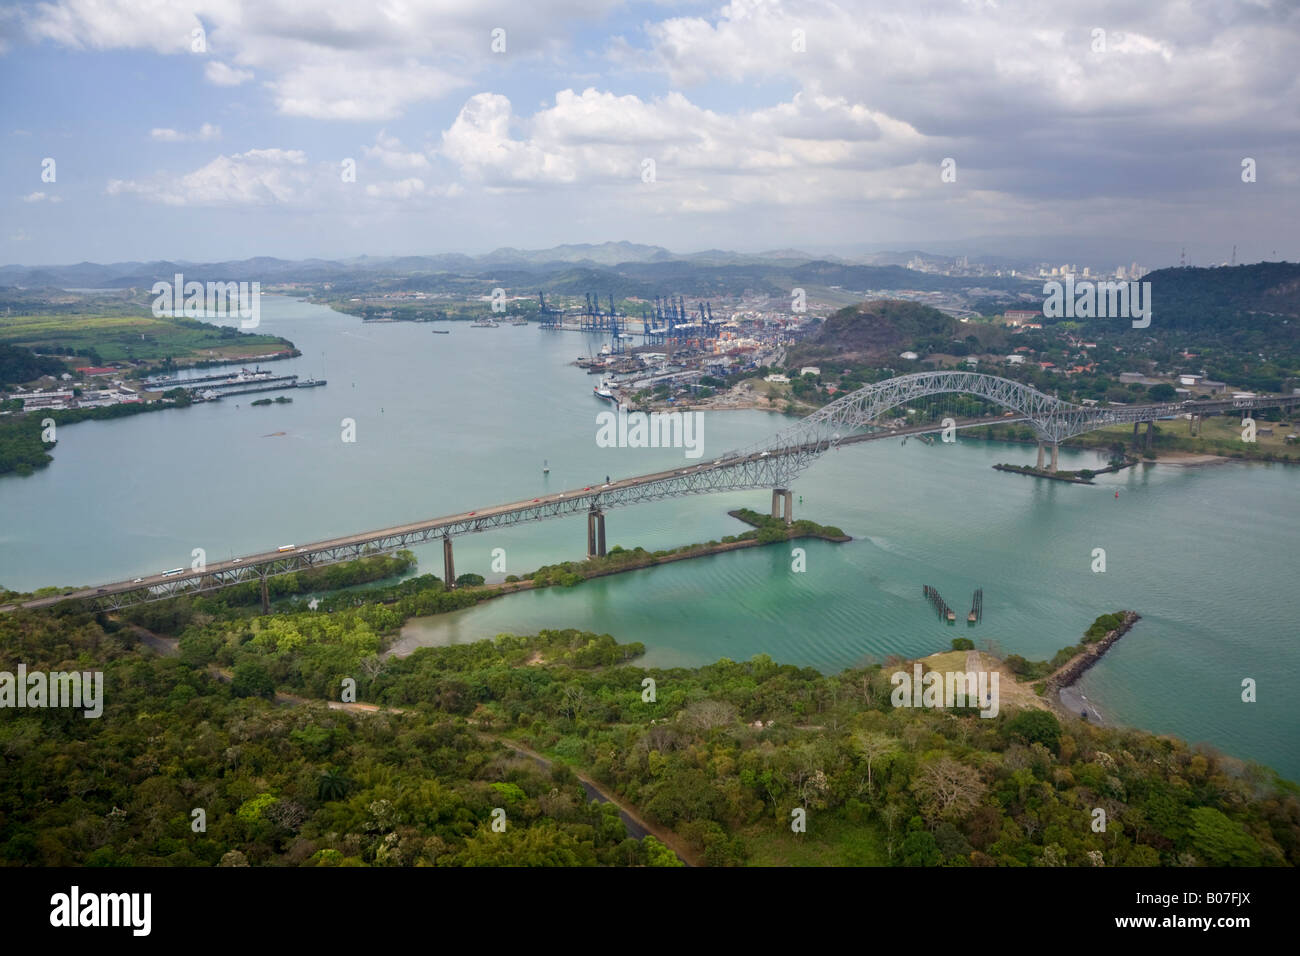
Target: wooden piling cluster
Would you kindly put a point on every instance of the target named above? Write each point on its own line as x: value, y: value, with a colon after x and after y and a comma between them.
x: 976, y: 607
x: 939, y: 604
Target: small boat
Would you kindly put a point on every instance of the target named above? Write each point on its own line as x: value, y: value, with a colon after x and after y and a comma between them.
x: 519, y: 322
x: 441, y: 331
x: 546, y: 468
x: 483, y: 324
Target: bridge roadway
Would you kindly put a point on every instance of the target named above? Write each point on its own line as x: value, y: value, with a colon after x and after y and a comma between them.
x: 772, y: 464
x: 699, y: 479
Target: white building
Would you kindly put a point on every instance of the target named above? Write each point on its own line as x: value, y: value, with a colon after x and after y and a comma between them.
x: 910, y: 356
x: 1015, y: 360
x: 810, y: 370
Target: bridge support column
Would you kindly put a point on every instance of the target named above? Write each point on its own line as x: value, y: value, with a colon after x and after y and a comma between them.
x: 1151, y: 436
x: 1040, y: 455
x: 266, y: 596
x: 1135, y: 433
x: 783, y: 504
x: 1056, y: 448
x: 595, y: 534
x: 448, y: 564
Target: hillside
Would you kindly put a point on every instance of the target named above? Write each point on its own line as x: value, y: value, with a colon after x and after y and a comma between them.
x: 876, y: 330
x: 18, y: 365
x: 1254, y: 296
x: 715, y: 760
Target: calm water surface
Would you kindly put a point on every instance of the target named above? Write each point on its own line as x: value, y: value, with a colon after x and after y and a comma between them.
x: 449, y: 422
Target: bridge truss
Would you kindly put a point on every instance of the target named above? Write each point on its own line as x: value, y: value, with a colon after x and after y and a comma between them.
x: 773, y: 463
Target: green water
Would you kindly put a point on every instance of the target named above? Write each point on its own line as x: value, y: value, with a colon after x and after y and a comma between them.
x: 450, y: 423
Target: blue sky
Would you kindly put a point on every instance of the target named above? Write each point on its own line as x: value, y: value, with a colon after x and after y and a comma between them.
x: 770, y: 123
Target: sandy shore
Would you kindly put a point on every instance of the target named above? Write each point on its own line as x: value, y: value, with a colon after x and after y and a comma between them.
x: 1188, y: 459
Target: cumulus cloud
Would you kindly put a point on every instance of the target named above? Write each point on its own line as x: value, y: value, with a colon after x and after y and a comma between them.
x: 388, y: 151
x: 204, y: 133
x: 324, y: 59
x: 410, y: 189
x: 1122, y: 115
x: 802, y: 150
x: 256, y: 177
x: 219, y: 74
x: 339, y: 89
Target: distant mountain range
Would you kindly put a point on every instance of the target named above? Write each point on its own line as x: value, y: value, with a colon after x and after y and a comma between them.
x: 632, y: 269
x: 621, y: 256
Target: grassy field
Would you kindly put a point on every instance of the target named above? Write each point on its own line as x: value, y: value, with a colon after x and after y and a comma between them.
x: 830, y: 841
x: 1219, y: 435
x: 116, y: 338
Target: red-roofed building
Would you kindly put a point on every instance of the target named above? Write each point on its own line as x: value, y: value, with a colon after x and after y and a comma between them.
x: 93, y: 370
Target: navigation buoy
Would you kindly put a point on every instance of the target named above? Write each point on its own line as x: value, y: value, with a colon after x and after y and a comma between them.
x: 1116, y: 493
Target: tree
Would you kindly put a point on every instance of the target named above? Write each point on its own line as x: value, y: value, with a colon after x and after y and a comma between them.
x: 659, y: 855
x: 873, y: 746
x: 1222, y: 842
x: 919, y: 849
x: 1037, y: 726
x: 946, y: 788
x: 252, y: 679
x: 332, y: 785
x: 1162, y: 393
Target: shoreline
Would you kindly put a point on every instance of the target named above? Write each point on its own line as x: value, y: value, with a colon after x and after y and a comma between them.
x: 1059, y: 686
x: 502, y: 588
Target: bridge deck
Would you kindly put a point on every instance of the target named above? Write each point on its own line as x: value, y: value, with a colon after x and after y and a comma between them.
x: 757, y: 467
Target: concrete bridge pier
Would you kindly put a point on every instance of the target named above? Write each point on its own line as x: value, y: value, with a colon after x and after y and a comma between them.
x: 448, y: 564
x: 783, y: 504
x: 1056, y: 449
x: 595, y: 534
x: 1041, y: 448
x: 266, y: 596
x: 1151, y: 433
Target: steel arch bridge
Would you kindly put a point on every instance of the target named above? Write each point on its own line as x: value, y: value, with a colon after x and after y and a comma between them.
x: 772, y: 464
x: 1052, y: 419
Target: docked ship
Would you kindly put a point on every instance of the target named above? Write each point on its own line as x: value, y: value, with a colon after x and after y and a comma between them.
x: 483, y: 324
x: 605, y: 390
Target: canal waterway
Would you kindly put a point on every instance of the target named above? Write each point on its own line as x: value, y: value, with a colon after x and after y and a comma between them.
x: 445, y: 423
